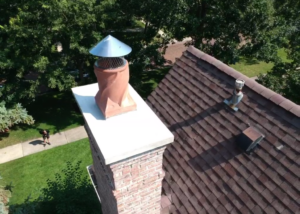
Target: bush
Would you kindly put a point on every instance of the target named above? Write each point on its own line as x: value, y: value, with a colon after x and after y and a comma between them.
x: 70, y: 192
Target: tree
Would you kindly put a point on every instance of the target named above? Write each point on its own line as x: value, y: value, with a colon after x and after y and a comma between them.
x: 70, y: 192
x: 15, y: 115
x: 285, y: 77
x: 152, y: 12
x: 288, y: 12
x: 5, y: 194
x: 225, y: 29
x: 30, y: 33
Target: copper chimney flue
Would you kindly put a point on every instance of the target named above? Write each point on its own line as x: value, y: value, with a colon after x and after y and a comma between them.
x: 112, y: 72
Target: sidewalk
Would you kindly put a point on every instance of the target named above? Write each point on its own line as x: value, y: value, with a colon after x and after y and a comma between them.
x: 35, y: 145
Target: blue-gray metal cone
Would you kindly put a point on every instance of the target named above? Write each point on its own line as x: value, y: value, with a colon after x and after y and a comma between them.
x: 110, y: 47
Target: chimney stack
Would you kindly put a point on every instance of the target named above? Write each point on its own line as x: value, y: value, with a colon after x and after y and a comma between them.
x: 127, y: 149
x: 112, y: 73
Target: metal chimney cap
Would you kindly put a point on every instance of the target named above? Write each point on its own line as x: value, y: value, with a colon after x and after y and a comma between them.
x: 110, y: 47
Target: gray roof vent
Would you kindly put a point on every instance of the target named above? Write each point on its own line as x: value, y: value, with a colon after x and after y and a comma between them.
x: 237, y: 95
x: 249, y: 139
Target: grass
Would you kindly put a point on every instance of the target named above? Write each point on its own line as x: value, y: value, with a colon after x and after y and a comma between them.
x: 29, y: 174
x: 252, y: 67
x: 138, y: 24
x: 56, y: 112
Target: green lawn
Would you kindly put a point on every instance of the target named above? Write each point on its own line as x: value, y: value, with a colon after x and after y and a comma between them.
x: 29, y: 174
x: 138, y: 24
x: 252, y: 67
x: 56, y: 112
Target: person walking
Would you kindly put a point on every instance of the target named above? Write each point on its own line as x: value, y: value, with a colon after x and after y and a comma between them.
x: 46, y: 136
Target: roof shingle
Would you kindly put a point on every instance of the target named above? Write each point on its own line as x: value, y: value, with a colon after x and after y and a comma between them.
x: 205, y: 171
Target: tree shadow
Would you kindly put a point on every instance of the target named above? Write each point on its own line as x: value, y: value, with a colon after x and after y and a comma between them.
x: 54, y: 109
x: 250, y: 61
x: 43, y: 206
x: 70, y: 192
x: 4, y: 135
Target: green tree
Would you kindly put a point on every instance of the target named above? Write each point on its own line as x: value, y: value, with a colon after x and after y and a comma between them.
x: 288, y: 13
x: 226, y: 29
x: 5, y: 194
x: 70, y: 192
x: 15, y: 115
x: 285, y: 77
x: 30, y: 32
x: 152, y: 12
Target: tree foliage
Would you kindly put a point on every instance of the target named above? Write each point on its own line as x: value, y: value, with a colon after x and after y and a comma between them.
x: 228, y: 29
x: 224, y: 29
x: 288, y: 12
x: 15, y: 115
x: 152, y: 12
x: 70, y: 192
x: 30, y: 32
x: 5, y: 194
x: 285, y: 77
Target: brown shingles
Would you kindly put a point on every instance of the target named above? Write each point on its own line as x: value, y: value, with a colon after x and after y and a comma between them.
x: 191, y: 95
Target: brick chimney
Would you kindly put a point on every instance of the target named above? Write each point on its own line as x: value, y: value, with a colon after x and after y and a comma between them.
x: 127, y: 151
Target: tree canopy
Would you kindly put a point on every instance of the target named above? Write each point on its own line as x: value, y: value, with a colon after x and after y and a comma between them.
x: 31, y: 31
x: 15, y: 115
x: 227, y: 29
x: 69, y: 192
x: 29, y: 36
x: 285, y: 77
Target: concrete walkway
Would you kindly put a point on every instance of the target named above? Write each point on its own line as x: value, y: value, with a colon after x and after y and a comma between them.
x: 33, y: 146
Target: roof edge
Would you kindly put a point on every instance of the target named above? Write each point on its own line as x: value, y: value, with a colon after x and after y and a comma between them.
x: 252, y: 84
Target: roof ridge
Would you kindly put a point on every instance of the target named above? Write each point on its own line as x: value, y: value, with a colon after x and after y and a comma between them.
x: 267, y: 93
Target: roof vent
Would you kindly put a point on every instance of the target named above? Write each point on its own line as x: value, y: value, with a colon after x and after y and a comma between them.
x: 112, y: 72
x: 237, y: 95
x: 110, y: 63
x: 249, y: 139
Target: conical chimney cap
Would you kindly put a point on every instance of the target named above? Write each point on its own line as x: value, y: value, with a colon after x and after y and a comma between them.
x: 110, y: 47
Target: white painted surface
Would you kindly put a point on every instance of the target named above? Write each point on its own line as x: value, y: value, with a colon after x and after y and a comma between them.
x: 124, y: 135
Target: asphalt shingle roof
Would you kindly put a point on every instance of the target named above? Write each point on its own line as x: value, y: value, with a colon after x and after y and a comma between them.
x: 205, y: 171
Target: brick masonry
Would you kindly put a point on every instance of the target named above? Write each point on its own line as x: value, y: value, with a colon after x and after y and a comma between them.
x: 132, y: 185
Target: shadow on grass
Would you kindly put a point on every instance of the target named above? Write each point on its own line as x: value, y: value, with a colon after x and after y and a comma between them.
x: 54, y: 111
x: 43, y: 206
x: 3, y: 135
x: 249, y: 61
x: 59, y: 110
x: 70, y: 192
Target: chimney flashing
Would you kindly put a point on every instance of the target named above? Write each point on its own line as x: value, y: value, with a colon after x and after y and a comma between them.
x: 124, y: 135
